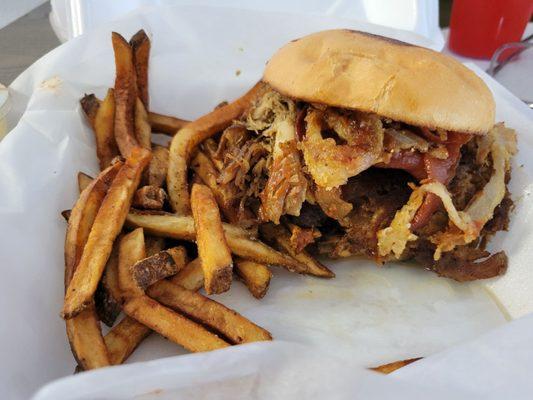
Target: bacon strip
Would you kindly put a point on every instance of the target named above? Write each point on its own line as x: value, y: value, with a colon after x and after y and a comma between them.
x: 424, y: 166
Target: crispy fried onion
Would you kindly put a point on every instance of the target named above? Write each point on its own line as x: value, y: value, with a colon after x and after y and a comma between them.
x: 402, y: 139
x: 465, y: 226
x: 286, y: 187
x: 331, y: 164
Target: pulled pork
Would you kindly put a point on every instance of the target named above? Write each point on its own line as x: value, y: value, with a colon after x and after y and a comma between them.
x: 352, y: 183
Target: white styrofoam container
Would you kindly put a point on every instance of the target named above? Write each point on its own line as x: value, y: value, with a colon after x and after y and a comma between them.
x: 71, y: 18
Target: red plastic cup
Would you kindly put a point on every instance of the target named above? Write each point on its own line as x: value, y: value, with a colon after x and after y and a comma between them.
x: 479, y: 27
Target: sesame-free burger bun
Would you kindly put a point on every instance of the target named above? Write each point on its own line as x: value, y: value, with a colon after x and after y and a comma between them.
x: 371, y: 73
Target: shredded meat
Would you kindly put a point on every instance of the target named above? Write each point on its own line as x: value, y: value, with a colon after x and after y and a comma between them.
x: 375, y: 195
x: 336, y: 178
x: 465, y: 263
x: 286, y: 187
x: 302, y: 237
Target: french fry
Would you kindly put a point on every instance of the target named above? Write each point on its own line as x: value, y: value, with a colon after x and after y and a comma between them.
x: 66, y: 214
x: 83, y: 331
x: 211, y: 150
x: 191, y: 276
x: 86, y: 341
x: 110, y: 277
x: 124, y: 338
x: 281, y: 237
x: 166, y: 124
x: 100, y: 115
x: 239, y: 241
x: 171, y: 325
x: 140, y: 44
x: 104, y: 130
x: 255, y: 276
x: 157, y: 170
x: 125, y: 95
x: 107, y: 308
x: 153, y: 245
x: 193, y: 134
x: 83, y: 181
x: 90, y: 105
x: 143, y: 130
x: 150, y: 198
x: 159, y: 266
x: 204, y: 168
x: 212, y: 246
x: 210, y: 313
x: 107, y: 225
x: 131, y: 250
x: 393, y: 366
x: 82, y: 217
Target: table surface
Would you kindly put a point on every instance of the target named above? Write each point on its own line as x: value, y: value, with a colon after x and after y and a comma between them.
x: 24, y: 41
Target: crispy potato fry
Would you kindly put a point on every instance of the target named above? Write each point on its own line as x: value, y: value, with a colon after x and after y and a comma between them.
x: 82, y: 217
x: 281, y: 237
x: 131, y: 250
x: 150, y: 198
x: 86, y: 341
x: 153, y: 245
x: 125, y: 95
x: 90, y: 105
x: 143, y: 130
x: 107, y: 308
x: 128, y: 334
x: 166, y: 124
x: 171, y: 325
x: 140, y: 44
x: 104, y: 130
x: 159, y: 266
x: 124, y: 338
x: 205, y: 169
x: 110, y: 278
x: 106, y: 227
x: 210, y: 313
x: 157, y: 170
x: 191, y: 276
x: 107, y: 298
x: 190, y: 136
x: 101, y: 115
x: 393, y: 366
x: 83, y: 331
x: 83, y: 181
x: 211, y: 151
x: 213, y: 249
x: 239, y: 241
x: 66, y: 214
x: 255, y: 276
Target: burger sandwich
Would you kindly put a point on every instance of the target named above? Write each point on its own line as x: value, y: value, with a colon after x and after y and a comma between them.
x: 360, y: 145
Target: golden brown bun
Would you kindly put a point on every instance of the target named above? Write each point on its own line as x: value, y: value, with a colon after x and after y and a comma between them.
x: 357, y: 70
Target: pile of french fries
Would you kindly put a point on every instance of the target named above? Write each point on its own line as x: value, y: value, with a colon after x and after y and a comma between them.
x: 142, y: 243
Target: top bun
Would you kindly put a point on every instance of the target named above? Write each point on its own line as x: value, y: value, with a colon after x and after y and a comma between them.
x: 371, y: 73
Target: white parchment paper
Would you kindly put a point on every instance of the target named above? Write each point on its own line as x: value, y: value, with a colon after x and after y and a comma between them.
x: 329, y: 330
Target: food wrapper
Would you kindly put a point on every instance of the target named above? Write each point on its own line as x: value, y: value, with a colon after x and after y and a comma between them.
x: 327, y: 332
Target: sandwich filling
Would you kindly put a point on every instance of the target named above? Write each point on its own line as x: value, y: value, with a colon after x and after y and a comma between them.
x: 346, y: 182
